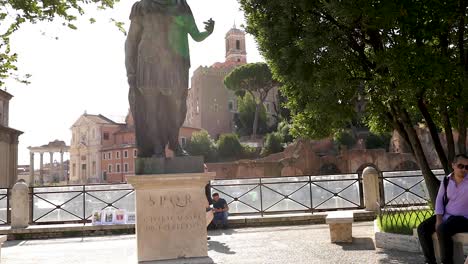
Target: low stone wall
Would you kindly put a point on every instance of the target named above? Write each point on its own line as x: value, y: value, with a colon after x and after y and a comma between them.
x: 80, y: 230
x: 407, y: 243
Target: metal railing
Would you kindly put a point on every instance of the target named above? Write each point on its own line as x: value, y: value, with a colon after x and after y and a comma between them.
x: 65, y: 204
x: 397, y: 186
x: 4, y: 206
x: 291, y: 194
x: 267, y: 195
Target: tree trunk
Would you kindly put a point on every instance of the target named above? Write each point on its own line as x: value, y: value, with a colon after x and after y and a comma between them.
x: 432, y: 183
x: 461, y: 130
x: 255, y: 123
x: 448, y: 136
x: 434, y: 135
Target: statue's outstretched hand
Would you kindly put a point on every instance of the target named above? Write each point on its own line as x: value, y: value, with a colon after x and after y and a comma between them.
x: 209, y: 25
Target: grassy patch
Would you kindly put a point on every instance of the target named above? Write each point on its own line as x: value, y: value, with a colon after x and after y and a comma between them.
x: 402, y: 222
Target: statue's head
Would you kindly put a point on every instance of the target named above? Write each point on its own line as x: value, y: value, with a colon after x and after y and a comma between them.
x: 171, y: 2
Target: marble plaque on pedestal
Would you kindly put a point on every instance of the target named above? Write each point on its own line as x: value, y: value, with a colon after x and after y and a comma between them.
x: 171, y: 216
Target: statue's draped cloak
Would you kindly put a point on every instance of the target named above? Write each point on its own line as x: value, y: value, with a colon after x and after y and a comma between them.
x: 157, y: 60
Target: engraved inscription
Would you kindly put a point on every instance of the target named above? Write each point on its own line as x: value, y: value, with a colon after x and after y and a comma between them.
x: 171, y: 223
x: 170, y: 201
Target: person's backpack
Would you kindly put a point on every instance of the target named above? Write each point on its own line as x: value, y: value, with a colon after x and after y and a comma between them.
x: 445, y: 199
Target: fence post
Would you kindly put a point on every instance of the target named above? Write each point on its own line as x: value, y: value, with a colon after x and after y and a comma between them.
x: 370, y: 178
x: 20, y: 205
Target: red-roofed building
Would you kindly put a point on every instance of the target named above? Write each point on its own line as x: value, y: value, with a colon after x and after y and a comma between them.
x: 104, y: 151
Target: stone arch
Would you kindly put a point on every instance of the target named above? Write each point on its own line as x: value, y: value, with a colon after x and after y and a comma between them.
x: 329, y: 168
x: 365, y: 165
x: 406, y: 165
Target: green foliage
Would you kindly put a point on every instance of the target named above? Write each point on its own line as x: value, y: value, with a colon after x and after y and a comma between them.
x: 402, y: 222
x: 229, y: 146
x: 406, y: 59
x: 273, y: 144
x: 254, y: 79
x: 14, y: 13
x: 284, y: 130
x: 201, y: 144
x: 345, y: 138
x: 374, y: 141
x: 245, y: 118
x: 249, y: 152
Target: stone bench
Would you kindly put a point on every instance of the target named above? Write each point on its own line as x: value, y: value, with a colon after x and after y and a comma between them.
x: 341, y: 226
x: 460, y: 240
x: 2, y: 240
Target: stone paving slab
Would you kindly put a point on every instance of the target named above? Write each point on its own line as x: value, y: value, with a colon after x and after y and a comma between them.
x: 269, y: 245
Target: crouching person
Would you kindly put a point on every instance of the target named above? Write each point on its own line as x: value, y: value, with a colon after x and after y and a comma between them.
x: 220, y: 209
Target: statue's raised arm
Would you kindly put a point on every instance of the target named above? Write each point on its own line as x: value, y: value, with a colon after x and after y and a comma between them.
x: 157, y: 61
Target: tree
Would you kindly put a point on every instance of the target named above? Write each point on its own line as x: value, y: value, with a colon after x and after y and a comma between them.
x: 255, y: 79
x: 245, y: 117
x: 201, y: 144
x: 13, y: 13
x: 406, y: 58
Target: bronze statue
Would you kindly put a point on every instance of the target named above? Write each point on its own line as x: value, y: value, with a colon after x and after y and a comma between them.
x: 157, y: 61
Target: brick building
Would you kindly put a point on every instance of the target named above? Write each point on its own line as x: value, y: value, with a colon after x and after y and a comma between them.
x: 210, y: 105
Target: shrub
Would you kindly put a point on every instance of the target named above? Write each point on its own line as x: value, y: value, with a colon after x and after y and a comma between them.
x: 345, y: 138
x: 201, y: 144
x: 249, y: 152
x: 283, y: 129
x: 273, y: 144
x: 229, y: 146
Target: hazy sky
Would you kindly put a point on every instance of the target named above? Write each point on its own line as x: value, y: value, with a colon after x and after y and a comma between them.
x: 84, y: 69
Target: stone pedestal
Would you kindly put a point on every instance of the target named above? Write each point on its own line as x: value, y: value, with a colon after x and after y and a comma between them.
x: 341, y: 226
x: 20, y: 205
x: 370, y: 178
x: 171, y: 216
x: 341, y: 233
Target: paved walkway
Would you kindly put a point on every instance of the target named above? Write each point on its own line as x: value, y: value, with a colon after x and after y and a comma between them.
x: 285, y: 244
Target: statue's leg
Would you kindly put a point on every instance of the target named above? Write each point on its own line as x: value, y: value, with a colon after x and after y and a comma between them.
x: 156, y: 124
x: 179, y: 105
x: 139, y: 109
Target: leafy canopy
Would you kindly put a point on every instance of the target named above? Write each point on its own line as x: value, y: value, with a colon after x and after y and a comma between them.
x: 407, y: 59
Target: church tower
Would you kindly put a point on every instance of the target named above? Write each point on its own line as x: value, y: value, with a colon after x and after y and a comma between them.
x: 235, y: 46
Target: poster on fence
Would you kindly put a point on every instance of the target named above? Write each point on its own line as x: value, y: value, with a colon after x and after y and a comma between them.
x: 96, y: 217
x: 107, y: 216
x: 130, y: 218
x: 111, y: 216
x: 119, y: 216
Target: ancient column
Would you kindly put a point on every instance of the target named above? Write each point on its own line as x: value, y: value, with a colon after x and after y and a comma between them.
x: 51, y: 155
x: 41, y: 168
x: 61, y: 174
x: 31, y: 168
x: 370, y: 178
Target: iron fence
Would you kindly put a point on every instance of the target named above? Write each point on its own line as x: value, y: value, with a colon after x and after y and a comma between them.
x: 291, y: 194
x: 402, y: 216
x: 4, y: 206
x: 399, y: 187
x: 65, y: 204
x: 267, y: 195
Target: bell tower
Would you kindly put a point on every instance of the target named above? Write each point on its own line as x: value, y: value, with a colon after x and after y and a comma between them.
x: 235, y: 46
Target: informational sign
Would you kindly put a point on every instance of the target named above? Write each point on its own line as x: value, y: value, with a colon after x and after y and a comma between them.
x: 112, y: 216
